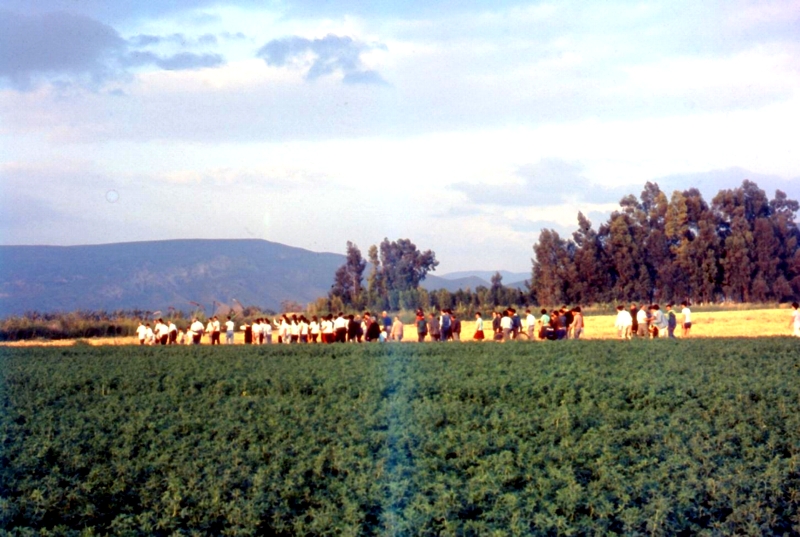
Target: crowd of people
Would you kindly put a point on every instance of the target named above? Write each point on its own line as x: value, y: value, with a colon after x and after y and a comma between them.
x: 648, y: 321
x: 639, y: 321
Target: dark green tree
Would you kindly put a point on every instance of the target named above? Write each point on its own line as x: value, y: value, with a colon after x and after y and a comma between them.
x: 347, y: 281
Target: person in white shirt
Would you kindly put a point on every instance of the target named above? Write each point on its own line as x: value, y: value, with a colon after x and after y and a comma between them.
x: 397, y: 330
x: 795, y: 322
x: 624, y: 323
x: 327, y: 329
x: 149, y: 336
x: 530, y: 324
x: 340, y: 328
x: 294, y: 330
x: 197, y: 331
x: 257, y: 326
x: 173, y: 333
x: 162, y: 332
x: 229, y: 328
x: 314, y: 328
x: 687, y: 319
x: 303, y: 328
x: 506, y: 325
x: 141, y: 333
x: 644, y: 326
x: 216, y: 331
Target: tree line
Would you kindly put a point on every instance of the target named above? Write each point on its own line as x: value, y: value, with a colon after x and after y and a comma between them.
x: 742, y: 247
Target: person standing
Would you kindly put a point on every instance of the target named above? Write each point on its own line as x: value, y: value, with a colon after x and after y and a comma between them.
x: 373, y: 331
x: 314, y: 329
x: 642, y: 330
x: 506, y: 325
x: 686, y: 313
x: 516, y: 323
x: 634, y: 311
x: 577, y: 322
x: 422, y: 326
x: 303, y: 329
x: 141, y: 332
x: 672, y: 322
x: 544, y: 322
x: 173, y: 333
x: 659, y: 322
x: 479, y: 335
x: 197, y: 331
x: 229, y: 326
x: 497, y: 329
x: 568, y: 317
x: 162, y: 332
x: 624, y: 323
x: 444, y: 325
x: 387, y: 322
x: 795, y: 322
x: 530, y: 324
x: 215, y: 334
x: 340, y: 328
x: 248, y: 333
x: 455, y: 324
x: 434, y: 330
x: 396, y: 333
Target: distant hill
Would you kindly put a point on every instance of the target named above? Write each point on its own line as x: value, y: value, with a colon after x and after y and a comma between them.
x: 159, y: 274
x: 433, y: 283
x: 486, y: 275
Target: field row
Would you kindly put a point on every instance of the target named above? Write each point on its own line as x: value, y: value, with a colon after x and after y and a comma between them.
x: 738, y: 323
x: 660, y: 437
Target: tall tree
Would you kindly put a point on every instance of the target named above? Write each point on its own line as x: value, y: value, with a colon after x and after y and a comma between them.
x: 347, y: 281
x: 591, y: 275
x: 402, y: 266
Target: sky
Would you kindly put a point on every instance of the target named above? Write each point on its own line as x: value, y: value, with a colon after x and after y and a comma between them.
x: 465, y: 126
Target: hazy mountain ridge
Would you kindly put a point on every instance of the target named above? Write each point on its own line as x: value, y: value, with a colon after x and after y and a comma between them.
x: 157, y: 275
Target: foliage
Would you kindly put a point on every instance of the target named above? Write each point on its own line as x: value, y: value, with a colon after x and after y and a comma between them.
x: 397, y: 268
x: 348, y: 281
x: 656, y: 437
x: 742, y: 247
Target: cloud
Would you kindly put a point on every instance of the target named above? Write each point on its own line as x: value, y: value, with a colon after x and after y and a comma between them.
x: 65, y: 49
x: 548, y: 182
x: 56, y: 44
x: 176, y: 62
x: 320, y: 57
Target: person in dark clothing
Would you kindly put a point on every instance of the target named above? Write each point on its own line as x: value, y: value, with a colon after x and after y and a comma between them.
x: 569, y: 318
x: 496, y: 328
x: 353, y: 328
x: 422, y: 326
x: 456, y: 324
x: 373, y: 328
x: 433, y: 327
x: 635, y: 325
x: 444, y: 325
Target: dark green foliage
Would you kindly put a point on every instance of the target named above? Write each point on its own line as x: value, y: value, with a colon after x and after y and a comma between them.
x: 649, y: 437
x: 743, y: 247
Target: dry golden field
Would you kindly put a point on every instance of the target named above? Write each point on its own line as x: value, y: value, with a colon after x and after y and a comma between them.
x: 738, y: 323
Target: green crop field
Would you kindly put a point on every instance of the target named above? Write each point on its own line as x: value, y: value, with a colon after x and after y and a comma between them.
x: 576, y: 437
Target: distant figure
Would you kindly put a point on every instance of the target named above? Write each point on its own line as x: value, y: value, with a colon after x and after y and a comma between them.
x: 624, y: 323
x: 544, y: 325
x: 506, y: 325
x: 352, y: 328
x: 686, y: 313
x: 433, y: 328
x: 643, y: 328
x: 314, y: 329
x: 530, y: 324
x: 456, y: 326
x: 445, y: 327
x: 479, y: 335
x: 248, y: 333
x: 141, y: 333
x: 795, y: 322
x: 577, y: 322
x: 173, y: 333
x: 422, y: 326
x: 634, y: 311
x: 197, y: 331
x: 340, y: 328
x: 672, y: 321
x: 229, y: 326
x: 387, y: 322
x: 215, y: 335
x: 396, y: 333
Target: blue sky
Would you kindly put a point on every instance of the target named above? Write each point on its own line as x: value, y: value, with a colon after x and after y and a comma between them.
x: 464, y: 126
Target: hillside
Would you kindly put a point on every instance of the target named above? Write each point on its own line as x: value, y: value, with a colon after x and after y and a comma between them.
x: 159, y: 274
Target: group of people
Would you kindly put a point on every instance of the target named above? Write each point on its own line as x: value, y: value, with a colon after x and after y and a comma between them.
x: 648, y: 321
x: 288, y: 328
x: 643, y: 321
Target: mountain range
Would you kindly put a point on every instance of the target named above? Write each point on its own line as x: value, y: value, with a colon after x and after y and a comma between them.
x: 181, y: 274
